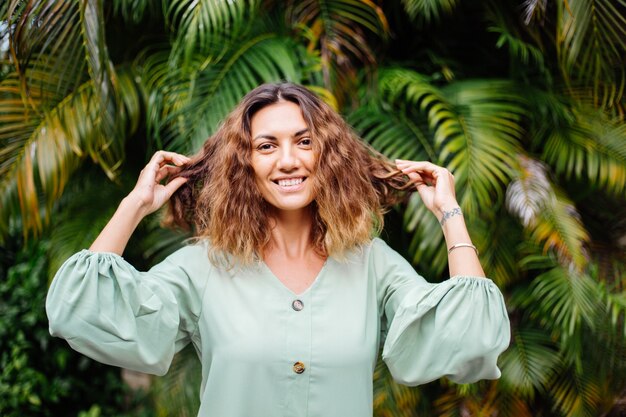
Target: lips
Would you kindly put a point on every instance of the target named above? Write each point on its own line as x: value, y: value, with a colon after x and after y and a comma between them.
x: 290, y: 182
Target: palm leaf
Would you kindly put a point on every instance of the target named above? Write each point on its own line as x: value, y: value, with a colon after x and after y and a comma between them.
x: 590, y: 42
x: 337, y: 29
x: 135, y: 11
x: 427, y: 247
x: 395, y: 135
x: 482, y: 153
x: 591, y: 147
x: 534, y: 10
x: 40, y: 150
x: 476, y: 127
x: 563, y: 301
x: 497, y: 237
x: 523, y: 44
x: 428, y: 10
x: 530, y: 362
x: 184, y: 111
x: 84, y: 210
x: 560, y: 227
x: 46, y: 35
x: 206, y: 26
x: 576, y: 394
x: 546, y: 213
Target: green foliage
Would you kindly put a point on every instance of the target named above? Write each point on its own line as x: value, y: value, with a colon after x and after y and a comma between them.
x: 524, y: 103
x: 42, y: 376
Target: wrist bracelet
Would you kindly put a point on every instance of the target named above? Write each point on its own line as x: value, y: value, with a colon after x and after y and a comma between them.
x: 462, y: 245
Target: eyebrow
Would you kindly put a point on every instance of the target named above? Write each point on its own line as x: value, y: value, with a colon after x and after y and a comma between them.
x: 298, y: 133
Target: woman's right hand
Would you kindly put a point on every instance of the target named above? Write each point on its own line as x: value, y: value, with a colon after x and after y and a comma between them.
x: 149, y: 193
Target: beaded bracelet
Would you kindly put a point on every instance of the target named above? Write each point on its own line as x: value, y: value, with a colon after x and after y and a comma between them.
x: 462, y: 245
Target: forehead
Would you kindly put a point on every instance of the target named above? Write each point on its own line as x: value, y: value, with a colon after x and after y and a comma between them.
x: 283, y: 117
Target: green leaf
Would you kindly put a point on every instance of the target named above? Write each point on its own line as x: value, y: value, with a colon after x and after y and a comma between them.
x: 208, y: 27
x: 428, y: 10
x: 591, y: 147
x: 530, y: 363
x: 185, y: 110
x: 590, y: 43
x: 339, y: 30
x: 41, y: 150
x: 544, y: 210
x: 563, y: 301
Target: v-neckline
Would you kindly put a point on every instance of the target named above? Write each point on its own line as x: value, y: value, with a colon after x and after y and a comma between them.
x: 282, y: 285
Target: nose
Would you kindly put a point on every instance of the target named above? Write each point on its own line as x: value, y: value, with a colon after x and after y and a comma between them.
x: 288, y: 158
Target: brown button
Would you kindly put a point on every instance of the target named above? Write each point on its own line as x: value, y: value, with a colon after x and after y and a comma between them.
x: 297, y: 305
x: 298, y: 367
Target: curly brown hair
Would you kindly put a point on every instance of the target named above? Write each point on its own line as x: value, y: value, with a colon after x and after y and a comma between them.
x: 353, y: 184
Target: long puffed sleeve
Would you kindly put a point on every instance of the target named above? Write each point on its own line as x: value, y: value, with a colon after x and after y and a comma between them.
x: 114, y: 314
x: 455, y: 329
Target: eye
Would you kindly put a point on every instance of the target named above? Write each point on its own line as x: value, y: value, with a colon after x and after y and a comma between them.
x: 264, y: 147
x: 306, y: 141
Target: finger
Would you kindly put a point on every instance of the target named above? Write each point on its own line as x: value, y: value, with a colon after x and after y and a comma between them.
x: 166, y: 171
x: 418, y: 166
x: 417, y: 180
x: 174, y: 185
x: 164, y: 156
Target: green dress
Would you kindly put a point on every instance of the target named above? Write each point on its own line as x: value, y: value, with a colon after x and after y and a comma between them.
x: 268, y: 352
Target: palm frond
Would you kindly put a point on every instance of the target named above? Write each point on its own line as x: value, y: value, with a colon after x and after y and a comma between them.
x: 590, y: 42
x: 516, y: 38
x: 534, y: 10
x: 136, y: 10
x: 482, y: 154
x: 428, y: 10
x: 576, y: 394
x: 560, y: 227
x: 546, y: 213
x: 497, y: 237
x: 476, y: 127
x: 205, y: 27
x: 530, y: 363
x: 101, y: 70
x: 84, y: 210
x: 591, y: 147
x: 337, y: 29
x: 394, y: 135
x: 40, y: 150
x: 427, y: 247
x: 185, y: 110
x: 563, y: 301
x: 46, y: 35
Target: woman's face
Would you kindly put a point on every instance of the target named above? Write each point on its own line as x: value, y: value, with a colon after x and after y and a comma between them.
x: 282, y: 156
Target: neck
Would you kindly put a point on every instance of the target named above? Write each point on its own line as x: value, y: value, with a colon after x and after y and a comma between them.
x: 291, y: 233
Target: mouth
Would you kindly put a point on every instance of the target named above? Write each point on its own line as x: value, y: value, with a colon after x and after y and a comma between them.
x: 289, y: 182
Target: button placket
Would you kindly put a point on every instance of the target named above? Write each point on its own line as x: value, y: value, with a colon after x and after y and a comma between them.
x: 298, y: 350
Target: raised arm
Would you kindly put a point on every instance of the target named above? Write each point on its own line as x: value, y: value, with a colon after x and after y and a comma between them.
x: 148, y: 196
x: 435, y: 186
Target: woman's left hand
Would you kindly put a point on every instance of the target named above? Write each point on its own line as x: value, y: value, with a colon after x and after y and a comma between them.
x: 434, y: 184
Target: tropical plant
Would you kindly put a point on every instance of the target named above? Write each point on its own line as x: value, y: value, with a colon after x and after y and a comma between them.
x: 523, y: 101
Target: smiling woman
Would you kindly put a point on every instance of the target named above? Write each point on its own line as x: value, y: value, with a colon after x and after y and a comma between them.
x: 285, y: 294
x: 276, y: 130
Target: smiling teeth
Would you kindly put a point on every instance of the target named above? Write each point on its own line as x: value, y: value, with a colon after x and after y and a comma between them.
x: 290, y: 182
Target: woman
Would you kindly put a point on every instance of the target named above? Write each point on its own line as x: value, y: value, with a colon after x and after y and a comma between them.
x: 285, y: 294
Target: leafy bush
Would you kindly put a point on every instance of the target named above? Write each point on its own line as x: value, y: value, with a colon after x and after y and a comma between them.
x: 42, y: 375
